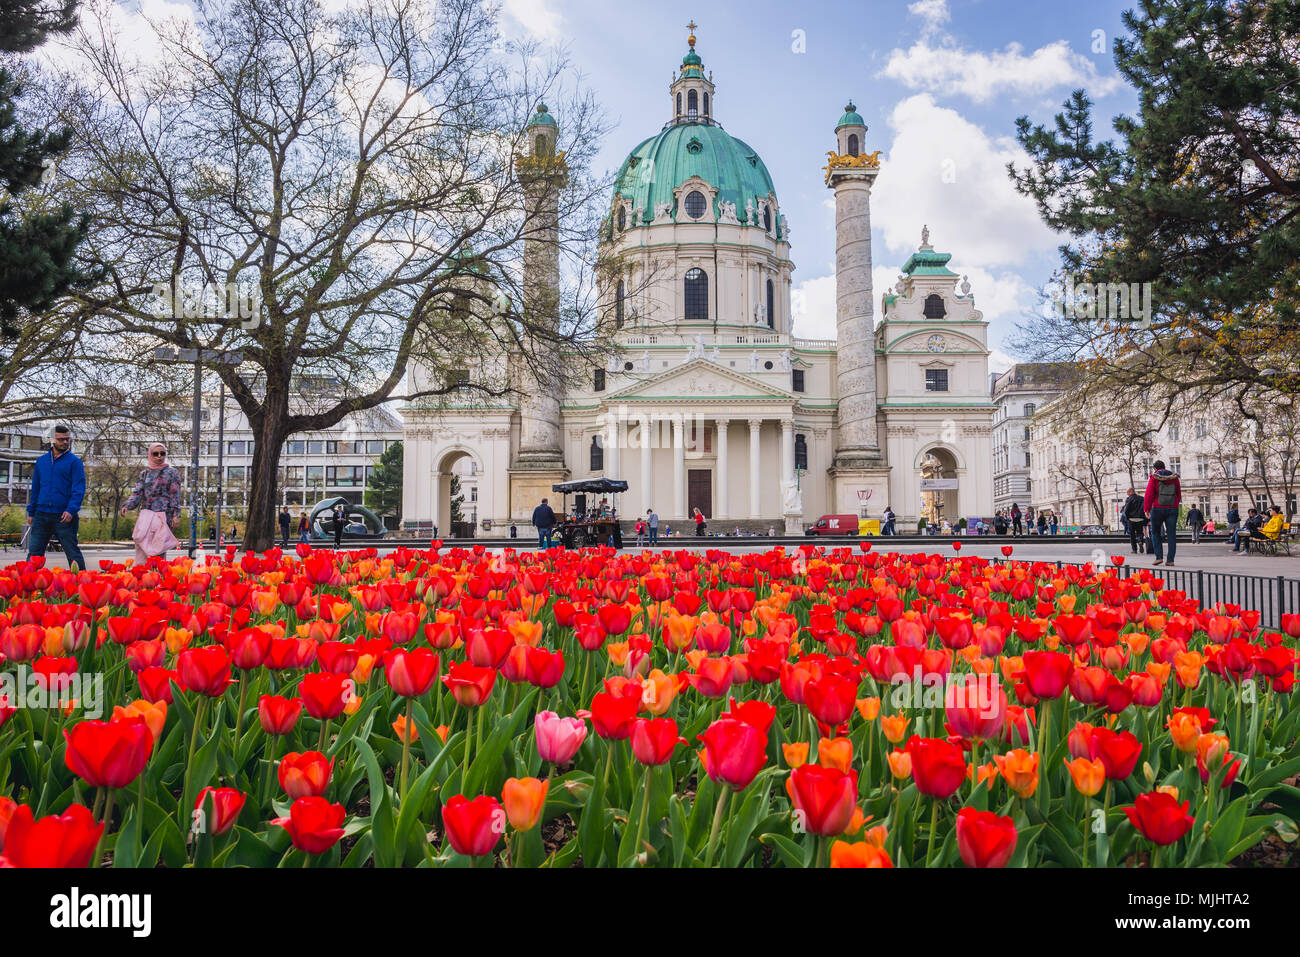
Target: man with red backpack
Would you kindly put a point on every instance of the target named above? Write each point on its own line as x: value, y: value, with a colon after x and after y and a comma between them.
x: 1160, y: 504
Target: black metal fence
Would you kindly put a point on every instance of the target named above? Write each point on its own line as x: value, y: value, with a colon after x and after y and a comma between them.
x: 1272, y: 597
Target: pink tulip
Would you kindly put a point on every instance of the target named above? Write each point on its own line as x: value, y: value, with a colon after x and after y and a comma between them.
x: 558, y: 739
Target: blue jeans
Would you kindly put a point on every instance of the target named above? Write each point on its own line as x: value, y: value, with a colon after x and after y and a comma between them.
x: 654, y: 534
x: 544, y: 537
x: 46, y: 524
x: 1164, y: 524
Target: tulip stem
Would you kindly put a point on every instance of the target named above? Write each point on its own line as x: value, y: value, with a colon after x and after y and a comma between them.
x: 645, y: 809
x: 1087, y: 827
x: 934, y: 826
x: 107, y: 821
x: 1044, y: 786
x: 406, y: 748
x: 189, y: 760
x: 239, y: 715
x: 717, y: 826
x: 469, y: 734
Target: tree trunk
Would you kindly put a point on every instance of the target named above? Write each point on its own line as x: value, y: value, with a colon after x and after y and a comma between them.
x: 269, y: 430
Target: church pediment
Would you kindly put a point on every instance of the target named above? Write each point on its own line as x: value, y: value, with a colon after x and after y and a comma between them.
x: 698, y: 379
x: 935, y: 339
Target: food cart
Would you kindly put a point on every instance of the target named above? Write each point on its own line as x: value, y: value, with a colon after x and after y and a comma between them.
x: 585, y: 525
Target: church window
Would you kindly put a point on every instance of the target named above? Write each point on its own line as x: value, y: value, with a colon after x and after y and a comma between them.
x: 801, y: 452
x: 697, y: 294
x: 695, y: 204
x: 771, y: 306
x: 934, y: 306
x: 706, y: 104
x: 767, y: 218
x: 597, y: 455
x: 936, y: 380
x: 619, y: 293
x: 692, y: 105
x: 679, y: 105
x: 797, y: 380
x: 598, y: 380
x: 622, y: 218
x: 853, y: 144
x: 455, y: 378
x: 539, y: 147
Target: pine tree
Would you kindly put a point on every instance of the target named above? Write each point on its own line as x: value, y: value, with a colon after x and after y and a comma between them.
x: 36, y: 247
x: 1199, y: 195
x: 384, y: 489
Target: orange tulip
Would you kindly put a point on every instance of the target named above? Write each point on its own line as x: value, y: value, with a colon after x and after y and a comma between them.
x: 857, y: 821
x: 53, y: 645
x: 869, y: 708
x: 657, y: 692
x: 526, y: 632
x: 177, y: 640
x: 155, y: 715
x: 530, y: 605
x: 405, y: 733
x: 617, y: 651
x: 365, y: 665
x: 695, y: 657
x: 1088, y: 776
x: 1170, y: 789
x: 982, y: 772
x: 835, y: 753
x: 796, y: 753
x: 1011, y: 665
x: 1159, y: 670
x: 352, y: 705
x: 1185, y: 731
x: 264, y: 602
x: 679, y: 632
x: 1067, y: 603
x: 877, y: 836
x: 524, y: 800
x: 442, y: 730
x: 900, y: 764
x: 982, y: 666
x: 1188, y: 665
x: 1137, y: 641
x: 1019, y: 768
x: 894, y: 727
x: 1211, y: 749
x: 861, y: 854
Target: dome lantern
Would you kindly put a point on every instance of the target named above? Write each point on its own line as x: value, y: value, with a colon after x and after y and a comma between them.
x: 691, y: 91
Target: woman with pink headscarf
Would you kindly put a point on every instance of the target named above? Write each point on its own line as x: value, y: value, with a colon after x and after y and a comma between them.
x: 159, y: 496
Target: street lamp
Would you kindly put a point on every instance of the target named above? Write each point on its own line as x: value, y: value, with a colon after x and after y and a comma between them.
x: 198, y: 357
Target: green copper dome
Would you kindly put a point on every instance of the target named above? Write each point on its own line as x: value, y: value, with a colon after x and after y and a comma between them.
x: 850, y: 117
x: 663, y: 162
x: 541, y: 117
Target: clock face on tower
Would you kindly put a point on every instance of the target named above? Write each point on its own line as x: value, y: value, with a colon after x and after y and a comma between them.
x: 936, y: 343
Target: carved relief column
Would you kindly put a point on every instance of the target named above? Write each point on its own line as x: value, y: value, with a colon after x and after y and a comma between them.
x: 724, y: 510
x: 755, y: 468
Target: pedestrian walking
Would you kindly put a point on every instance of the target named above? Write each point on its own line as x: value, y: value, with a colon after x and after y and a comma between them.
x: 1135, y: 522
x: 1016, y: 527
x: 700, y: 525
x: 158, y: 496
x: 285, y: 519
x: 1160, y: 503
x: 1042, y: 523
x: 1052, y: 523
x: 652, y: 522
x: 54, y: 499
x: 304, y: 528
x: 1196, y: 522
x: 340, y: 519
x: 544, y: 522
x: 640, y: 531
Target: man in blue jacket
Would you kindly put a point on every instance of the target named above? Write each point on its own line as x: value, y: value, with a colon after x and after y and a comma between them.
x: 58, y: 486
x: 544, y: 522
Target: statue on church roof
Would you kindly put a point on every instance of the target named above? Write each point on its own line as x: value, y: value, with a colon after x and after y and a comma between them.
x: 925, y: 236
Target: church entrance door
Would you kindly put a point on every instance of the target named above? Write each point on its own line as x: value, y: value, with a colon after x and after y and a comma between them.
x: 699, y: 491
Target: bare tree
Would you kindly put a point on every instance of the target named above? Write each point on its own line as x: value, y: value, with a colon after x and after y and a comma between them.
x: 354, y: 171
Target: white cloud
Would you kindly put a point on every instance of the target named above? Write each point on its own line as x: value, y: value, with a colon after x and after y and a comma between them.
x: 812, y: 306
x: 999, y: 361
x: 944, y: 171
x: 933, y: 12
x: 948, y: 69
x: 536, y: 18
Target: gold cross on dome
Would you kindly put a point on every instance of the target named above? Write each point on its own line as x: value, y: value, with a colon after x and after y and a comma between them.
x: 691, y: 39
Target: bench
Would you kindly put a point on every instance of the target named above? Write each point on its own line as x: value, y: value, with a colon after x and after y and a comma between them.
x: 1276, y: 546
x: 10, y: 538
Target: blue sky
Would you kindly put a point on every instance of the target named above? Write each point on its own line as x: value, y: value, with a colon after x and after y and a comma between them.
x: 939, y: 82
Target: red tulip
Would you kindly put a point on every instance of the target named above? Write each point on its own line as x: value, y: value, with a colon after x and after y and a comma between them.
x: 824, y: 797
x: 226, y: 805
x: 985, y: 839
x: 108, y: 753
x: 487, y: 648
x: 314, y: 824
x: 338, y: 657
x: 976, y: 709
x: 64, y: 840
x: 473, y: 828
x: 248, y: 648
x: 306, y: 774
x: 95, y: 593
x: 278, y: 714
x: 1088, y: 685
x: 411, y: 673
x: 612, y: 715
x: 205, y: 671
x: 1046, y: 672
x: 469, y: 684
x: 325, y: 694
x: 543, y: 668
x: 653, y: 740
x: 830, y: 698
x: 712, y: 677
x: 145, y: 654
x: 156, y: 684
x: 938, y: 767
x: 22, y: 643
x: 615, y: 619
x: 734, y: 752
x: 1118, y: 753
x: 758, y: 713
x: 1160, y: 817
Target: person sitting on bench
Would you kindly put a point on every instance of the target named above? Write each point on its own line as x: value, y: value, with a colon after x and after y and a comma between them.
x: 1271, y: 530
